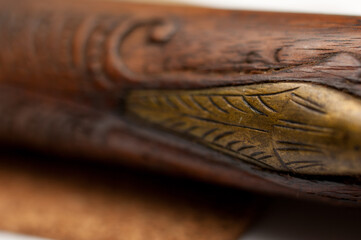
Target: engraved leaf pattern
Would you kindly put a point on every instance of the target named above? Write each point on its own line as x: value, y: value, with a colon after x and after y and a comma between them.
x: 279, y: 126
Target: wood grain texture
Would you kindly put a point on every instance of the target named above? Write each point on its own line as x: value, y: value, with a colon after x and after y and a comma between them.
x: 117, y: 45
x: 66, y: 70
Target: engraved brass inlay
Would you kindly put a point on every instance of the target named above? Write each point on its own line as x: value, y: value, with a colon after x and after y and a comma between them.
x: 298, y: 127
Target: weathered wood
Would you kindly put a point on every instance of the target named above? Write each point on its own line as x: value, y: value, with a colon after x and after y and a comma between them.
x: 79, y: 65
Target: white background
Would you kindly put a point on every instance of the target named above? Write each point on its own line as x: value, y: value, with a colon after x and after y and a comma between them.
x: 344, y: 7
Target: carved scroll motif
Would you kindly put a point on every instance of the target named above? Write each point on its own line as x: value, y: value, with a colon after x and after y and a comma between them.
x: 76, y: 51
x: 295, y: 127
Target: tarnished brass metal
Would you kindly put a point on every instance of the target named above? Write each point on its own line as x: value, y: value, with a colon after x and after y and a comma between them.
x: 296, y: 127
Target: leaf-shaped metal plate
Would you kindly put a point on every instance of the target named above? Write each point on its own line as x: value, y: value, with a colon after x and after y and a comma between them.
x: 297, y: 127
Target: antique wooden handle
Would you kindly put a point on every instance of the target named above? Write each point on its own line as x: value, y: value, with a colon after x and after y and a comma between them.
x: 265, y: 101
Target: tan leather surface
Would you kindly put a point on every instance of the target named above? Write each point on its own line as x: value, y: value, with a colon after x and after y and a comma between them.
x: 63, y: 200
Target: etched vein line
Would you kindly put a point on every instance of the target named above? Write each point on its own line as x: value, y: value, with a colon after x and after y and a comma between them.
x: 156, y: 101
x: 252, y: 107
x: 231, y: 143
x: 300, y: 162
x: 217, y: 95
x: 300, y: 129
x: 224, y: 123
x: 304, y: 124
x: 267, y: 106
x: 299, y: 150
x: 265, y: 165
x: 319, y: 128
x: 307, y: 100
x: 280, y: 159
x: 247, y: 156
x: 232, y: 105
x: 190, y: 129
x: 209, y: 132
x: 194, y: 100
x: 274, y: 93
x: 257, y: 161
x: 242, y: 156
x: 264, y: 157
x: 222, y: 135
x: 183, y: 102
x: 297, y: 144
x: 251, y: 95
x: 170, y: 102
x: 240, y: 95
x: 308, y: 105
x: 256, y: 154
x: 310, y: 165
x: 244, y: 148
x: 216, y: 105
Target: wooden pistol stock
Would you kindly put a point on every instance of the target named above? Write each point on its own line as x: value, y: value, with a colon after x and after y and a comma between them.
x: 269, y: 102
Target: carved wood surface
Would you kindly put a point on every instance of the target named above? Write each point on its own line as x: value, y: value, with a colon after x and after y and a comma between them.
x: 78, y: 66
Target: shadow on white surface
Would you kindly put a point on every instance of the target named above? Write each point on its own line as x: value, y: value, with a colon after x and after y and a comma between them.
x: 343, y: 7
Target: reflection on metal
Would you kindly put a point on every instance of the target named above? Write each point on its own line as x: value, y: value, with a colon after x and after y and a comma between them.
x: 295, y: 127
